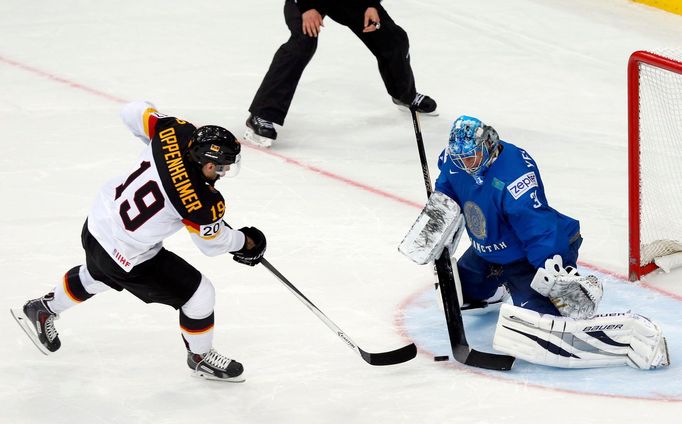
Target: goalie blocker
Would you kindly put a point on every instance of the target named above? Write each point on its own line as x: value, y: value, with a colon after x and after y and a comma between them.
x: 605, y: 340
x: 440, y: 224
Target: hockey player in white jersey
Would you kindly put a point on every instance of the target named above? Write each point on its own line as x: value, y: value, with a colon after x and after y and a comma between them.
x: 171, y: 186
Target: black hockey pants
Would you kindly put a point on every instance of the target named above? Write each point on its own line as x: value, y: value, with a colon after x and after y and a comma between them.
x: 389, y: 45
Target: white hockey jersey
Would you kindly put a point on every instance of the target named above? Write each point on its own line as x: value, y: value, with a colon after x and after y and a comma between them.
x: 162, y: 193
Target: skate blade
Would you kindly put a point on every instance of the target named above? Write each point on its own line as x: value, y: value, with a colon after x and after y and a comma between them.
x: 208, y: 376
x: 407, y: 109
x: 27, y: 326
x: 255, y: 139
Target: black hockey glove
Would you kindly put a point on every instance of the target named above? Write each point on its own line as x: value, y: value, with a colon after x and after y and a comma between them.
x: 253, y: 256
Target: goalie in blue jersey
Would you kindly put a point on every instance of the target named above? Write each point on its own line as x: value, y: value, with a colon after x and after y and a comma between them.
x: 521, y: 246
x: 512, y: 227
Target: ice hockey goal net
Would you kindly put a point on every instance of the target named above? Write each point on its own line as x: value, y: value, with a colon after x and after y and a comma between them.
x: 655, y: 160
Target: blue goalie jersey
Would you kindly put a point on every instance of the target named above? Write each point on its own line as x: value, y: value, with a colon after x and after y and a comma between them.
x: 507, y: 215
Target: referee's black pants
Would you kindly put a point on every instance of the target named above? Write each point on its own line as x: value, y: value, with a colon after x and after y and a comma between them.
x: 389, y: 45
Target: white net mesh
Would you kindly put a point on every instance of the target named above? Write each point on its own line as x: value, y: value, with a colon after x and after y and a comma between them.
x: 660, y: 122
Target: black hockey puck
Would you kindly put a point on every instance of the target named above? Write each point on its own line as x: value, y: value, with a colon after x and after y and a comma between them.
x: 441, y: 358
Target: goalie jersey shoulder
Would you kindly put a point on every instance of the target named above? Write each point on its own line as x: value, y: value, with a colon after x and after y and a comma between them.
x: 518, y: 172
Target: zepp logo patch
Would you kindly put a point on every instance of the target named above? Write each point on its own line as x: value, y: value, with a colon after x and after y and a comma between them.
x: 522, y: 185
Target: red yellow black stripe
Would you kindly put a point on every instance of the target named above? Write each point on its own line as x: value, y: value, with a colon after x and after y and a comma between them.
x: 74, y: 287
x: 196, y: 326
x: 149, y: 121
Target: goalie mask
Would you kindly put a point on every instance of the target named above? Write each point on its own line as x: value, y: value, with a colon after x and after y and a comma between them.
x: 472, y: 145
x: 217, y: 145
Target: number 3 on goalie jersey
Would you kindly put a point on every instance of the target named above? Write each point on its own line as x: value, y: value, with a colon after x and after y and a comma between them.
x: 536, y: 202
x: 148, y: 200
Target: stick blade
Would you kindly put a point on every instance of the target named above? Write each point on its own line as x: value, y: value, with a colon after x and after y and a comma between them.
x: 489, y: 361
x: 393, y: 357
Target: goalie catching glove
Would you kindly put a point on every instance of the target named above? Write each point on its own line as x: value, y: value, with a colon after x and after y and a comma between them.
x: 602, y: 341
x: 251, y: 253
x: 573, y: 295
x: 439, y: 225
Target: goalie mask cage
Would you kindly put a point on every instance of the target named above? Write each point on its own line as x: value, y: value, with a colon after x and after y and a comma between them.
x: 655, y: 160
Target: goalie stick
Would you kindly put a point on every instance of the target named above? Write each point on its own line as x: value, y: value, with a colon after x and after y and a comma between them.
x: 392, y: 357
x: 453, y: 315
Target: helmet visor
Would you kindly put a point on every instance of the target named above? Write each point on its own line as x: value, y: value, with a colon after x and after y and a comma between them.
x: 465, y: 148
x: 469, y: 162
x: 230, y: 170
x: 471, y: 144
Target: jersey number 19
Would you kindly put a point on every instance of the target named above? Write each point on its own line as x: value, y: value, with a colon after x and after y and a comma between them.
x: 146, y: 209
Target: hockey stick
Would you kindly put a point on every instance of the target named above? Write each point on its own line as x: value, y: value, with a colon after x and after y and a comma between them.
x: 397, y: 356
x: 392, y: 357
x: 446, y: 279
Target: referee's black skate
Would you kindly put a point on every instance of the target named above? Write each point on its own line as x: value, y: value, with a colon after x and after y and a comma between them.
x: 37, y: 321
x: 214, y: 366
x: 259, y: 131
x: 422, y: 104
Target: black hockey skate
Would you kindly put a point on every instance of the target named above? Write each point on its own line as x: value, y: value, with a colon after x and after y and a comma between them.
x: 423, y: 104
x: 37, y: 321
x: 214, y: 366
x: 259, y: 131
x: 493, y: 303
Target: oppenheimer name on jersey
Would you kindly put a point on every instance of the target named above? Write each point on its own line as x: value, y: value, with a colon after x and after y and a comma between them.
x: 163, y: 193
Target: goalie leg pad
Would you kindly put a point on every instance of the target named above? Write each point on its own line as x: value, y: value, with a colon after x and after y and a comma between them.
x: 649, y: 347
x: 435, y: 228
x: 603, y: 341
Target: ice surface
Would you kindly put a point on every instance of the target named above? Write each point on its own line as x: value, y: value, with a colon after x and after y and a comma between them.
x: 335, y: 196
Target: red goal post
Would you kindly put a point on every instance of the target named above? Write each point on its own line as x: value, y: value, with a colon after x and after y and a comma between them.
x: 655, y: 161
